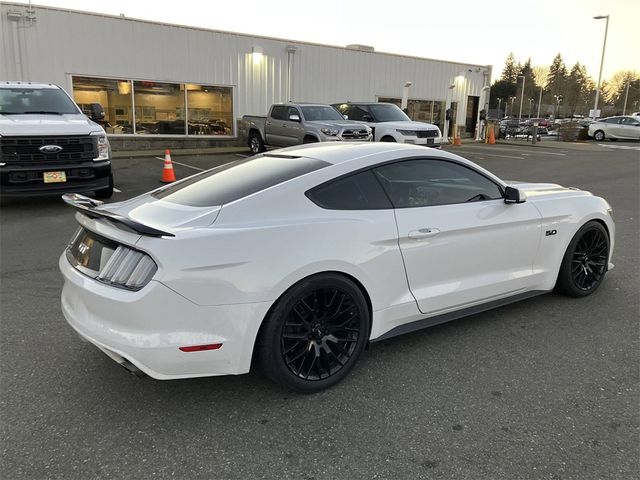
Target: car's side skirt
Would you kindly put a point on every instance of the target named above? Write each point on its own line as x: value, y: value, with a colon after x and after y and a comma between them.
x: 447, y: 317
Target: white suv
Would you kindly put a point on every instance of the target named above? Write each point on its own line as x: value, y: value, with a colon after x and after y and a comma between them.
x: 390, y: 124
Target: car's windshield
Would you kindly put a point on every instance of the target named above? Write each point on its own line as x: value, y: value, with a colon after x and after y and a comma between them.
x: 386, y: 112
x: 319, y: 113
x: 14, y: 101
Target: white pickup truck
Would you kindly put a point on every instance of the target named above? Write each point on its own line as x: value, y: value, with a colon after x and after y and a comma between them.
x: 47, y: 145
x: 295, y: 123
x: 390, y: 124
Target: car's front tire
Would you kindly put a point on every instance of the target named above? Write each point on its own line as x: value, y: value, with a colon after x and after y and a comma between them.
x: 598, y: 135
x: 314, y: 334
x: 585, y: 262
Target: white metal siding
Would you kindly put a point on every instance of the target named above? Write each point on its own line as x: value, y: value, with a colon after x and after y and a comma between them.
x: 61, y: 43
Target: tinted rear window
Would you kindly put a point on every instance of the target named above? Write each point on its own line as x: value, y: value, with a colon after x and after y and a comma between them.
x: 361, y: 191
x: 238, y: 179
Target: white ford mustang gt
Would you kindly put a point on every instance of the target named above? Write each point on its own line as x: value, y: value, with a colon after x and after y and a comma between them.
x: 295, y: 259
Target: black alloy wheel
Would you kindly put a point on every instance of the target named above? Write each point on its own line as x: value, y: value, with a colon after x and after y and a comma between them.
x: 585, y: 262
x: 315, y: 333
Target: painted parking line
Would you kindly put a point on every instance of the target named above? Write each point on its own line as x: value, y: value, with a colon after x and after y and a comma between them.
x: 620, y: 147
x: 117, y: 190
x: 184, y: 165
x: 241, y: 155
x: 524, y: 152
x: 482, y: 152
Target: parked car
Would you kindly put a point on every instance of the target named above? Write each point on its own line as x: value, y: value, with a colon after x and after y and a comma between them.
x: 296, y: 259
x: 615, y: 128
x: 390, y: 124
x: 296, y: 123
x: 47, y: 145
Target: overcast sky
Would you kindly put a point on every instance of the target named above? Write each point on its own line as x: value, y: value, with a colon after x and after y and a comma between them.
x: 479, y: 32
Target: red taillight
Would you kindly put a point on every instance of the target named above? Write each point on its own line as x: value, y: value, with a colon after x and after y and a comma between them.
x: 200, y: 348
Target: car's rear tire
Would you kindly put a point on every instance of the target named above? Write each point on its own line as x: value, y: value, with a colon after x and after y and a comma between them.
x: 598, y: 135
x: 314, y: 334
x: 256, y: 145
x: 387, y: 139
x: 585, y: 262
x: 106, y: 192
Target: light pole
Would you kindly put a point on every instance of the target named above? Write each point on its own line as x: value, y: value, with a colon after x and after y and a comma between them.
x: 604, y: 45
x: 558, y: 101
x: 539, y: 102
x: 513, y: 99
x: 626, y: 97
x: 521, y: 96
x: 499, y: 102
x: 531, y: 102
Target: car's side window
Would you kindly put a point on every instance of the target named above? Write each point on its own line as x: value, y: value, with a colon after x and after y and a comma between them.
x: 293, y: 111
x: 360, y: 191
x: 278, y: 112
x: 629, y: 121
x: 357, y: 112
x: 612, y: 120
x: 431, y: 182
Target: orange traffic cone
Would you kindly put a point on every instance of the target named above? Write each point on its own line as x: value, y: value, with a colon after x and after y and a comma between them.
x: 457, y: 141
x: 168, y: 175
x: 492, y: 137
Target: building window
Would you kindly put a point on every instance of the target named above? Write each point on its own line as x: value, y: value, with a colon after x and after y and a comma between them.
x: 210, y: 110
x: 157, y: 108
x: 115, y: 97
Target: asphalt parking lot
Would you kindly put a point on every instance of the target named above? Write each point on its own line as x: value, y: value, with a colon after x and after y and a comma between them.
x: 543, y: 389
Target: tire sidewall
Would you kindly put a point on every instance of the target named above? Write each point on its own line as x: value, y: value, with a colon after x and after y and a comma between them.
x: 599, y: 134
x: 565, y: 282
x: 269, y: 348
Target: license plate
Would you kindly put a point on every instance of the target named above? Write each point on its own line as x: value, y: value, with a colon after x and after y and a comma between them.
x: 54, y: 177
x: 429, y: 141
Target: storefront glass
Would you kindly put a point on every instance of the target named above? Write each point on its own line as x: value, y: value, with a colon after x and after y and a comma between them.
x: 115, y: 97
x: 161, y: 108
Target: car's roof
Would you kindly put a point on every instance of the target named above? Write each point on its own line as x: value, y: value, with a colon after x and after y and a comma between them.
x: 8, y: 84
x: 363, y: 103
x: 341, y: 152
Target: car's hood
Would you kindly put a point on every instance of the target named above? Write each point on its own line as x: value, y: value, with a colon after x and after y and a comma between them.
x: 162, y: 214
x: 408, y: 125
x: 334, y: 124
x: 72, y: 124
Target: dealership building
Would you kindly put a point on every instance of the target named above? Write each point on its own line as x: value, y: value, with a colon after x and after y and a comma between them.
x: 165, y: 85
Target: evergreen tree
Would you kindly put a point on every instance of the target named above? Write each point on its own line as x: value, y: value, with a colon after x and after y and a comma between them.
x: 510, y: 70
x: 576, y: 88
x: 557, y: 80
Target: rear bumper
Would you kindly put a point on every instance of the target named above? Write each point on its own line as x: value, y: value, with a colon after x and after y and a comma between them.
x: 147, y: 327
x: 28, y: 180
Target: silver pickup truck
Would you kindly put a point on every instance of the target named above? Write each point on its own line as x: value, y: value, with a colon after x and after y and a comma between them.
x: 295, y: 123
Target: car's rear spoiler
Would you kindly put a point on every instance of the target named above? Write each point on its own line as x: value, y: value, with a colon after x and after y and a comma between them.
x: 87, y: 206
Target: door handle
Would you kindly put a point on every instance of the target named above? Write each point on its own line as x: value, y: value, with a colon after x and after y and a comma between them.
x: 423, y: 233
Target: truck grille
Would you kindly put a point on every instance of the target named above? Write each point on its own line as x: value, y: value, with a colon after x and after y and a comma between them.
x: 26, y: 150
x: 355, y: 134
x: 427, y: 133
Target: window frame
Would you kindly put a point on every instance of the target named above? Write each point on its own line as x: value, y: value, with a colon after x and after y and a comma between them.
x: 501, y: 186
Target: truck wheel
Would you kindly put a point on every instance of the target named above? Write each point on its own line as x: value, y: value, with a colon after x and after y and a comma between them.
x: 106, y: 192
x: 387, y: 139
x: 256, y: 145
x: 309, y: 139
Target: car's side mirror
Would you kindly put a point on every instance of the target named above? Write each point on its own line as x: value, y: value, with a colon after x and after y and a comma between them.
x: 97, y: 112
x: 294, y: 118
x: 513, y: 195
x: 346, y: 117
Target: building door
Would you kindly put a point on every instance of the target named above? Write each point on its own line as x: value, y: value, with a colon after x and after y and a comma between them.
x: 472, y: 114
